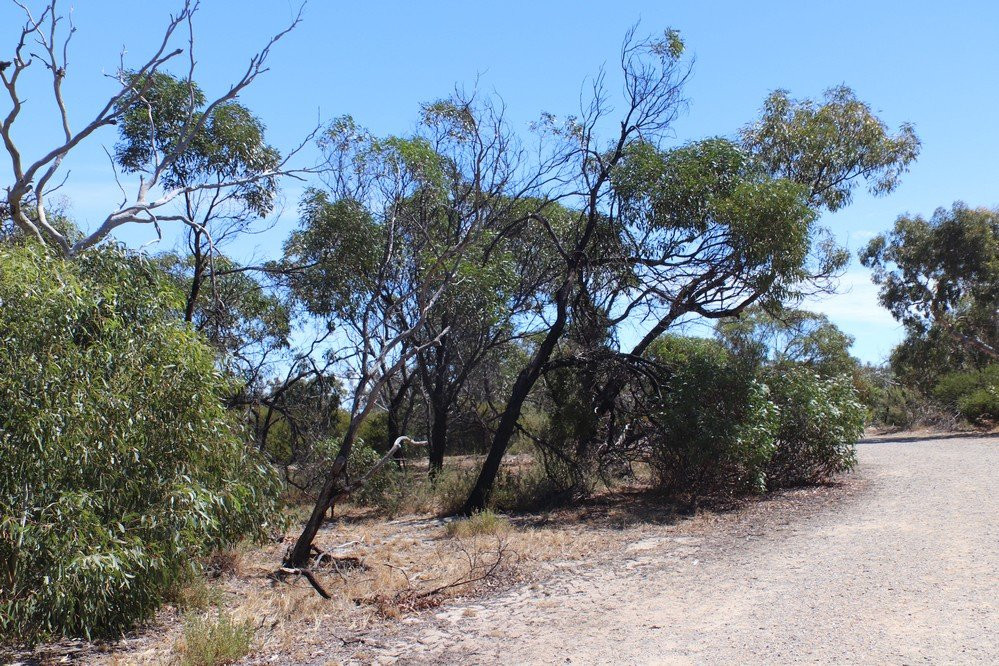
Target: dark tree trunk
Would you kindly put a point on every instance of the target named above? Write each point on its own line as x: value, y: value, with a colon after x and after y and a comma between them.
x: 438, y: 433
x: 300, y: 554
x: 196, y: 279
x: 526, y: 380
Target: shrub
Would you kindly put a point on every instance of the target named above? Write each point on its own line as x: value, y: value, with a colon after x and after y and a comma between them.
x: 712, y: 431
x: 382, y: 486
x: 213, y: 642
x: 479, y: 524
x: 530, y: 487
x: 526, y: 488
x: 981, y: 405
x: 954, y: 386
x: 120, y: 465
x: 451, y: 487
x: 899, y: 407
x: 193, y: 593
x: 820, y: 422
x: 974, y: 394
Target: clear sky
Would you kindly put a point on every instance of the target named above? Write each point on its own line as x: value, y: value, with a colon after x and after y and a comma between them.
x: 933, y: 64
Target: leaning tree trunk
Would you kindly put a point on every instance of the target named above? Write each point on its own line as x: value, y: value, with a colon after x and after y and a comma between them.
x: 300, y: 554
x: 526, y: 380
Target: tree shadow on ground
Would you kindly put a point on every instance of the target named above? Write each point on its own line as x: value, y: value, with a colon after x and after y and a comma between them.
x: 895, y: 438
x: 630, y: 507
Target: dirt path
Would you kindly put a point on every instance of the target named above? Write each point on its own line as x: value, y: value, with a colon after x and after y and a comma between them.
x: 901, y: 567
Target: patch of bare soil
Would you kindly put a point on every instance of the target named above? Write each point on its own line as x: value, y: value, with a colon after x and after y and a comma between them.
x: 897, y: 565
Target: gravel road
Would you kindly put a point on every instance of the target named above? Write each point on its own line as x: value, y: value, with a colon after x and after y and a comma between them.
x: 899, y: 566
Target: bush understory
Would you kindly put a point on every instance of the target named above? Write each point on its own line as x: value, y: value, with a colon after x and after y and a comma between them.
x: 121, y: 465
x: 129, y: 477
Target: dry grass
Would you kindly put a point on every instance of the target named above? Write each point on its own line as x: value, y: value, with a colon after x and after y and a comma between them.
x: 378, y: 570
x: 382, y: 570
x: 486, y: 522
x: 213, y: 641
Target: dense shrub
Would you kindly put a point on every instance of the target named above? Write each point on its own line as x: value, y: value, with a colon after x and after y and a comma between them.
x: 713, y: 428
x: 820, y: 421
x: 974, y: 394
x: 120, y: 464
x: 896, y: 406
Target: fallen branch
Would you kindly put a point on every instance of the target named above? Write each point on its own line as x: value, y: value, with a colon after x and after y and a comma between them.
x: 309, y: 576
x: 469, y: 578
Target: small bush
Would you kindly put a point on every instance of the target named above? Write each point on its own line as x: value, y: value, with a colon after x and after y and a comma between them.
x: 954, y: 386
x: 525, y: 489
x: 451, y: 488
x: 981, y: 405
x: 380, y: 488
x: 193, y: 593
x: 121, y: 466
x: 819, y: 424
x: 214, y: 641
x: 479, y: 524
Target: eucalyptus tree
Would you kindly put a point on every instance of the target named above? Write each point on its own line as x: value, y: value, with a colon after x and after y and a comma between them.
x: 830, y: 146
x: 940, y: 277
x: 139, y: 102
x: 383, y: 244
x: 705, y: 229
x: 582, y: 171
x: 493, y: 306
x: 227, y: 147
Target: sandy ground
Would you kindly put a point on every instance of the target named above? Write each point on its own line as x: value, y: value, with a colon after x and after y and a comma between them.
x: 898, y: 565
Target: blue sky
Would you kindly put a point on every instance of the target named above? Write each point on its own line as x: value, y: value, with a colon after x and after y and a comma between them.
x: 933, y: 64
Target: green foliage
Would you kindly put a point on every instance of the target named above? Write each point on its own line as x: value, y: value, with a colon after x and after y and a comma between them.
x: 981, y: 405
x: 713, y: 429
x: 940, y: 277
x: 339, y: 243
x: 236, y: 313
x: 385, y: 482
x: 708, y: 206
x: 531, y: 487
x: 827, y: 146
x: 896, y: 404
x: 923, y: 357
x: 227, y: 145
x: 121, y: 465
x: 788, y: 337
x: 954, y: 386
x: 451, y: 488
x: 215, y: 641
x: 723, y: 426
x: 821, y: 419
x: 974, y: 394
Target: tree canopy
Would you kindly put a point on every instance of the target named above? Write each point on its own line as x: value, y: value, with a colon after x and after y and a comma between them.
x: 942, y: 273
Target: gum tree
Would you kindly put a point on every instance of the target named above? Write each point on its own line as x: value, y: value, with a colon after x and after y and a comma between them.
x: 383, y: 245
x: 704, y: 230
x: 138, y: 103
x: 940, y: 277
